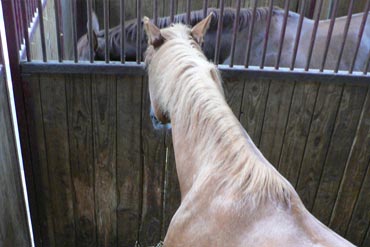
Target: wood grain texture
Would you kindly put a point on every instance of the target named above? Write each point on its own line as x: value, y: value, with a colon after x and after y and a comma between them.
x: 356, y: 166
x: 129, y: 159
x: 104, y: 140
x: 340, y: 145
x: 154, y: 164
x: 366, y: 241
x: 54, y: 106
x: 297, y: 130
x: 253, y: 107
x: 172, y: 194
x: 360, y: 219
x: 276, y: 117
x: 234, y: 94
x: 13, y: 221
x: 81, y: 157
x: 318, y: 141
x: 31, y: 87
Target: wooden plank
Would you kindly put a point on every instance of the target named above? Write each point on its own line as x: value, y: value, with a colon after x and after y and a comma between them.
x: 297, y: 130
x: 104, y: 140
x: 53, y: 100
x: 275, y: 120
x: 340, y: 145
x: 129, y: 159
x: 234, y: 94
x: 360, y: 219
x: 253, y: 107
x: 172, y: 194
x: 13, y: 220
x: 366, y: 241
x: 317, y: 142
x: 354, y: 173
x: 31, y: 87
x: 154, y: 163
x: 81, y: 157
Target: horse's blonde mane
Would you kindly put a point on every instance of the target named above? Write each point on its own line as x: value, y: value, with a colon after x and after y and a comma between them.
x: 188, y: 89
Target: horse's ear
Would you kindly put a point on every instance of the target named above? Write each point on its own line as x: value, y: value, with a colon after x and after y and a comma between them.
x: 95, y: 29
x: 199, y: 30
x: 154, y: 34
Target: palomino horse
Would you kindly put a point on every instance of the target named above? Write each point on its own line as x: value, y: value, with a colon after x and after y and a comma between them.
x: 230, y: 194
x: 257, y: 42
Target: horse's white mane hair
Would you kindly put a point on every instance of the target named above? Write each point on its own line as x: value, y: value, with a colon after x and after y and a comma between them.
x: 189, y: 91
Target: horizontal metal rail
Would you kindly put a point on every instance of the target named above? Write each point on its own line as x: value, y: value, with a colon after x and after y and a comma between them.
x: 237, y: 71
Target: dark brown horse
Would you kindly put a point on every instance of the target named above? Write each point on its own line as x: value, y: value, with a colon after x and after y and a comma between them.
x: 131, y: 32
x: 257, y: 41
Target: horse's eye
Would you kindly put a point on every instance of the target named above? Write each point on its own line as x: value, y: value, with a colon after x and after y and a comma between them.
x: 172, y: 25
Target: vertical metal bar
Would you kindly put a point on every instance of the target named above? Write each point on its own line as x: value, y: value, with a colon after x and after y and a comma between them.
x: 18, y: 23
x: 250, y: 38
x: 205, y: 7
x: 313, y: 37
x: 106, y: 29
x: 74, y: 30
x: 90, y: 30
x: 235, y: 32
x: 219, y: 32
x: 138, y: 34
x: 267, y: 33
x: 312, y: 9
x: 345, y: 33
x: 123, y: 31
x: 282, y: 34
x: 172, y: 10
x: 330, y: 33
x: 188, y: 9
x: 298, y: 36
x: 155, y: 12
x: 25, y: 31
x: 59, y: 35
x: 360, y: 34
x: 42, y: 31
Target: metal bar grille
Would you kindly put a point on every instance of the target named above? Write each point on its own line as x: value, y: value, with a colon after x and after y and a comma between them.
x: 313, y: 36
x: 346, y: 28
x: 330, y: 32
x: 282, y: 36
x: 42, y: 30
x: 298, y: 36
x: 360, y: 34
x: 123, y: 32
x: 74, y: 30
x: 235, y: 31
x: 271, y: 47
x: 59, y: 34
x: 138, y: 32
x: 90, y: 30
x: 106, y: 29
x: 219, y: 31
x: 267, y: 34
x: 250, y: 36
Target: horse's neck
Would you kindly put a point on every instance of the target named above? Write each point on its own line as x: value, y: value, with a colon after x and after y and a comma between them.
x: 210, y: 138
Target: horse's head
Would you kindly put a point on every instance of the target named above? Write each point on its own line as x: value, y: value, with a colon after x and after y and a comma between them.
x: 157, y: 40
x: 83, y: 45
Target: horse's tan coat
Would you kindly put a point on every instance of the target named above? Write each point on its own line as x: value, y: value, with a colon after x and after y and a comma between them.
x: 231, y: 195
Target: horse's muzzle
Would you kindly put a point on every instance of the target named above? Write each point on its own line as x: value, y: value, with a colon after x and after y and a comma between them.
x: 156, y: 123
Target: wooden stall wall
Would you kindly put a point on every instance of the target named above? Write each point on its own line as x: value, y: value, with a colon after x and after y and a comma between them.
x: 13, y: 220
x: 107, y: 178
